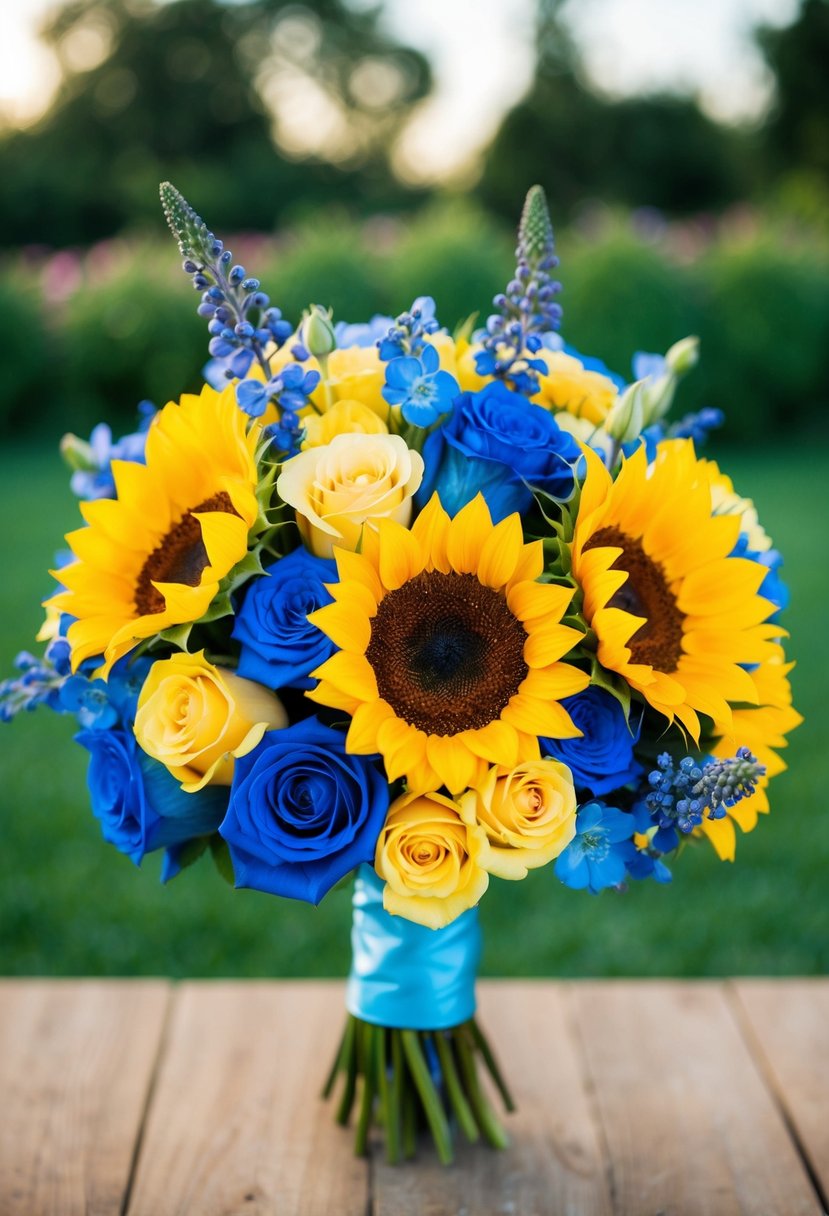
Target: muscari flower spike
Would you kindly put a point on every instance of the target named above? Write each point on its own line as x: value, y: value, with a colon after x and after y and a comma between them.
x: 527, y: 309
x: 682, y: 793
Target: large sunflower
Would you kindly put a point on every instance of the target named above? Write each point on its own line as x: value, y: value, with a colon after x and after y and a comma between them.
x: 672, y: 612
x: 449, y: 648
x: 155, y: 555
x: 762, y: 728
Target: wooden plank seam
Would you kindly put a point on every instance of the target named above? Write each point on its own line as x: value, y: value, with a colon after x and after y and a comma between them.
x: 148, y: 1098
x: 769, y: 1076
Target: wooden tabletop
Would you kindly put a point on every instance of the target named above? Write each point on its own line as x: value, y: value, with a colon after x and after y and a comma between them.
x: 648, y: 1098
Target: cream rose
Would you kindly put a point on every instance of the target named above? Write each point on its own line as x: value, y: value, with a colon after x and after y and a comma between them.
x: 528, y: 816
x: 425, y: 856
x: 351, y: 481
x: 196, y: 719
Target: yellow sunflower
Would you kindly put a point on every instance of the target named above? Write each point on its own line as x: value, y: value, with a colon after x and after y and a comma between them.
x: 155, y: 555
x: 762, y: 728
x: 449, y: 648
x: 672, y: 612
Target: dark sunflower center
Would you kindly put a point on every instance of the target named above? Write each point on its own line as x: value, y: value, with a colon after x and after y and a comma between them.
x: 179, y: 558
x: 658, y: 642
x: 447, y: 652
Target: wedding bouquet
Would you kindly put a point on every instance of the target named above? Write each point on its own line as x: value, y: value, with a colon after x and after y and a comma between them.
x: 433, y: 608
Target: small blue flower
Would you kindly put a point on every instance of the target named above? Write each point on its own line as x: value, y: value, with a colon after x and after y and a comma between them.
x: 89, y: 701
x: 417, y: 384
x: 595, y: 858
x: 407, y: 333
x: 363, y: 334
x: 125, y: 683
x: 95, y: 479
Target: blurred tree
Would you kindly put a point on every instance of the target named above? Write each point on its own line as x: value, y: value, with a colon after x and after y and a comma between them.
x: 796, y: 135
x: 660, y: 150
x: 198, y: 91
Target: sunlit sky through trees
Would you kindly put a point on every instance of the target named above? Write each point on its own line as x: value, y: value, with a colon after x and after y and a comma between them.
x: 482, y: 54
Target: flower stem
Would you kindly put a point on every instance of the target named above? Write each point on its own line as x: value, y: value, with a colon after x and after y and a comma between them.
x: 482, y: 1043
x: 429, y: 1097
x: 454, y: 1089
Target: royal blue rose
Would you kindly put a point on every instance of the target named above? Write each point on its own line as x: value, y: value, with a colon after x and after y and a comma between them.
x: 279, y: 645
x: 302, y: 813
x: 602, y: 759
x: 139, y: 806
x: 499, y: 444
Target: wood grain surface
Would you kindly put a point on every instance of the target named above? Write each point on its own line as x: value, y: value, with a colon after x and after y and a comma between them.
x: 636, y: 1098
x: 236, y: 1124
x: 789, y: 1025
x: 76, y: 1064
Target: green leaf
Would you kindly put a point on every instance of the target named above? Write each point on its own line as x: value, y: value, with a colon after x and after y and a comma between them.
x: 615, y: 685
x: 177, y: 635
x: 221, y: 858
x: 190, y: 852
x: 465, y: 329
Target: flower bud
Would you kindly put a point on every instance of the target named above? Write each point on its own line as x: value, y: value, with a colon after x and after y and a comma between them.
x: 77, y: 453
x: 683, y: 355
x: 317, y: 332
x: 626, y: 418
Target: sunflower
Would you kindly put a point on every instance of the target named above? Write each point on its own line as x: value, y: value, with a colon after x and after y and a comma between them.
x: 154, y: 556
x: 672, y: 612
x: 762, y: 728
x: 449, y: 649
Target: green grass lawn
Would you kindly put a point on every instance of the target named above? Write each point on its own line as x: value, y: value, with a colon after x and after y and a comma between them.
x: 70, y: 904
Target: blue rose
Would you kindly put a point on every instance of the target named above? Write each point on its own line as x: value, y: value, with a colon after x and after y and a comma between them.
x: 302, y: 813
x: 140, y: 807
x: 279, y: 645
x: 498, y: 443
x: 602, y: 759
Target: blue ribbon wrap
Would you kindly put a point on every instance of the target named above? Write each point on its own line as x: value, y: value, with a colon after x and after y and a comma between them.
x: 404, y: 975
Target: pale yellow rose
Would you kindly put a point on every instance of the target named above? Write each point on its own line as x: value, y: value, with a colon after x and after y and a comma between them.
x: 344, y: 418
x: 196, y: 719
x: 569, y: 385
x: 528, y: 816
x: 352, y: 481
x: 356, y: 373
x: 425, y: 856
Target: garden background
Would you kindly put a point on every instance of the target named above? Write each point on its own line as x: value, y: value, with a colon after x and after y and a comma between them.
x: 668, y: 223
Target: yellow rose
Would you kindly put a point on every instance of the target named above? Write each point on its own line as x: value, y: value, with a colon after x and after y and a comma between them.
x: 425, y: 856
x: 569, y: 385
x: 344, y: 418
x: 528, y: 816
x: 356, y: 373
x: 351, y: 481
x: 196, y: 718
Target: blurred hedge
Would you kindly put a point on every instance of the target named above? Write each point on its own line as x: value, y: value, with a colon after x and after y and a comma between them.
x: 90, y: 333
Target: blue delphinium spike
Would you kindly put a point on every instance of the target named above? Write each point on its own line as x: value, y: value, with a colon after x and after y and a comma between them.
x: 243, y: 327
x: 527, y: 309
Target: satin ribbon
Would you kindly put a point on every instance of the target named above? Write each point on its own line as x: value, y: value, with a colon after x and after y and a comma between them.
x: 405, y: 975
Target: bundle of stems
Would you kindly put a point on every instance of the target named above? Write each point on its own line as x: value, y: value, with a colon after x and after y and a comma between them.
x: 404, y: 1080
